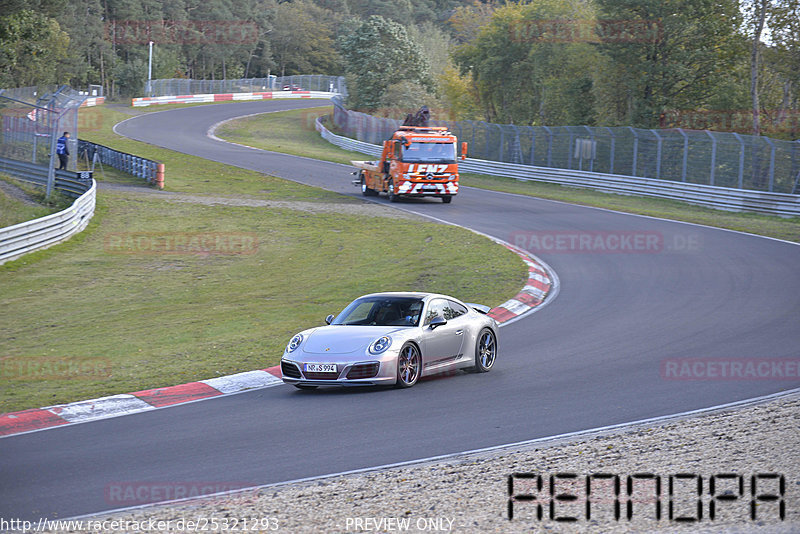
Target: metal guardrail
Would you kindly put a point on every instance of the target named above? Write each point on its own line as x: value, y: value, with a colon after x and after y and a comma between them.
x: 704, y: 195
x: 73, y: 184
x: 46, y: 231
x: 150, y: 170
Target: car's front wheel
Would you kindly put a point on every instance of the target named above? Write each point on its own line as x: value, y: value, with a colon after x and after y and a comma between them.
x: 409, y: 366
x: 485, y: 351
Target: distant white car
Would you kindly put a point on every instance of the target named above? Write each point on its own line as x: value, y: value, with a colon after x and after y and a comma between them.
x: 392, y: 338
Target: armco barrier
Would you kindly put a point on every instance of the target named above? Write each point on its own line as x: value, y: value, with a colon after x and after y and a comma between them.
x: 704, y: 195
x: 41, y: 233
x: 150, y: 170
x: 227, y: 97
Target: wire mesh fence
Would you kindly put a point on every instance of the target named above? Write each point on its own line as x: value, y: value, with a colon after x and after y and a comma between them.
x: 306, y: 82
x: 33, y: 119
x: 722, y: 159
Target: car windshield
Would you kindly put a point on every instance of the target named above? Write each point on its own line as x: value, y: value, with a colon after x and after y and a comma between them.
x: 429, y: 153
x: 381, y: 311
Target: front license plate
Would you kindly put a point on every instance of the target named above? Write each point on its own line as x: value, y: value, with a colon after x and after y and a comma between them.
x: 429, y: 187
x: 321, y: 367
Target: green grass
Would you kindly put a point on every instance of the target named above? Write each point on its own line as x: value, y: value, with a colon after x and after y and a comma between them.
x: 261, y: 131
x: 137, y: 320
x: 289, y: 132
x: 13, y: 211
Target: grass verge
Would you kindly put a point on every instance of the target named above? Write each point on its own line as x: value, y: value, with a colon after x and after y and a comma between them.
x: 106, y: 313
x: 290, y: 131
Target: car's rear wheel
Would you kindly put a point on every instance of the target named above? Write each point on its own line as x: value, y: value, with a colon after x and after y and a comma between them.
x: 447, y: 199
x: 409, y: 366
x: 390, y: 191
x: 485, y: 351
x: 366, y: 191
x: 303, y: 387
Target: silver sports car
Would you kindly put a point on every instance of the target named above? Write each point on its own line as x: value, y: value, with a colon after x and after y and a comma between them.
x: 392, y: 338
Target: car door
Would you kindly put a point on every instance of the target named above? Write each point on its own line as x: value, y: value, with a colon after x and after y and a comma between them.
x: 443, y: 343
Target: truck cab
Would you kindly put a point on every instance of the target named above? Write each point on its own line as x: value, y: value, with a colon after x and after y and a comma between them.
x: 417, y: 161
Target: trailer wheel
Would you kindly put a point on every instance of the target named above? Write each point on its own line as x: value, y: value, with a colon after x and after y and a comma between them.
x: 390, y: 191
x: 366, y: 191
x: 447, y: 199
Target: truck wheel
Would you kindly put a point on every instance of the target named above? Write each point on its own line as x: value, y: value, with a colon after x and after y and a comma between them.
x: 447, y: 199
x: 366, y: 191
x: 392, y: 196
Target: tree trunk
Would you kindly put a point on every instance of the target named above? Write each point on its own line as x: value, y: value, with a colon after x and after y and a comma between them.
x: 754, y: 65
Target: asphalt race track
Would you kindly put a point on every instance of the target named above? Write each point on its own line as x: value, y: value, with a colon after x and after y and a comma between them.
x: 592, y: 357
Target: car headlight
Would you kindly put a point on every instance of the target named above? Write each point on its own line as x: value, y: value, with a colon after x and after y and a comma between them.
x: 380, y: 345
x: 294, y: 343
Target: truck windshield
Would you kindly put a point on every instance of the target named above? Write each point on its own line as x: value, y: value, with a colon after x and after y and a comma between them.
x: 429, y: 153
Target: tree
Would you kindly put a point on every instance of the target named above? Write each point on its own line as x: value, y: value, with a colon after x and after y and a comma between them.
x: 525, y: 76
x: 377, y: 54
x: 675, y: 62
x: 31, y: 47
x: 761, y: 16
x: 301, y: 39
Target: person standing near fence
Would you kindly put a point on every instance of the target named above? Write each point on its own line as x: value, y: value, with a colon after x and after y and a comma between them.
x: 63, y: 151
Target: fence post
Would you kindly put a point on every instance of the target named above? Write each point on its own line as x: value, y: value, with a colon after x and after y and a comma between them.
x: 658, y: 154
x: 685, y: 154
x: 741, y: 158
x: 533, y: 144
x: 613, y: 148
x: 51, y: 171
x: 549, y: 145
x: 635, y: 150
x: 771, y: 163
x: 713, y: 156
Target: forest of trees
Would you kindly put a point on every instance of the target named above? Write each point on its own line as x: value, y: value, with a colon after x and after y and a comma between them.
x: 721, y: 64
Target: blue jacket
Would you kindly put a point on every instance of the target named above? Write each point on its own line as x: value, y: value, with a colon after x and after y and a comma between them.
x: 61, y: 146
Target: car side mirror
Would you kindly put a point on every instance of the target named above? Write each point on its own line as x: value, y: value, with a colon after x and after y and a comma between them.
x: 329, y: 319
x: 464, y: 150
x: 437, y: 321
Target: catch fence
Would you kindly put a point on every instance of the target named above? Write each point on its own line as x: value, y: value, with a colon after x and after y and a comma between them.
x: 721, y: 159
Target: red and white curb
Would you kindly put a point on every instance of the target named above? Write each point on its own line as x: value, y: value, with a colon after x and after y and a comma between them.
x: 140, y: 401
x: 227, y: 97
x: 532, y: 295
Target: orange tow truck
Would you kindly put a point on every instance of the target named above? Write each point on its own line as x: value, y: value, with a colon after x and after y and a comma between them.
x: 418, y: 161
